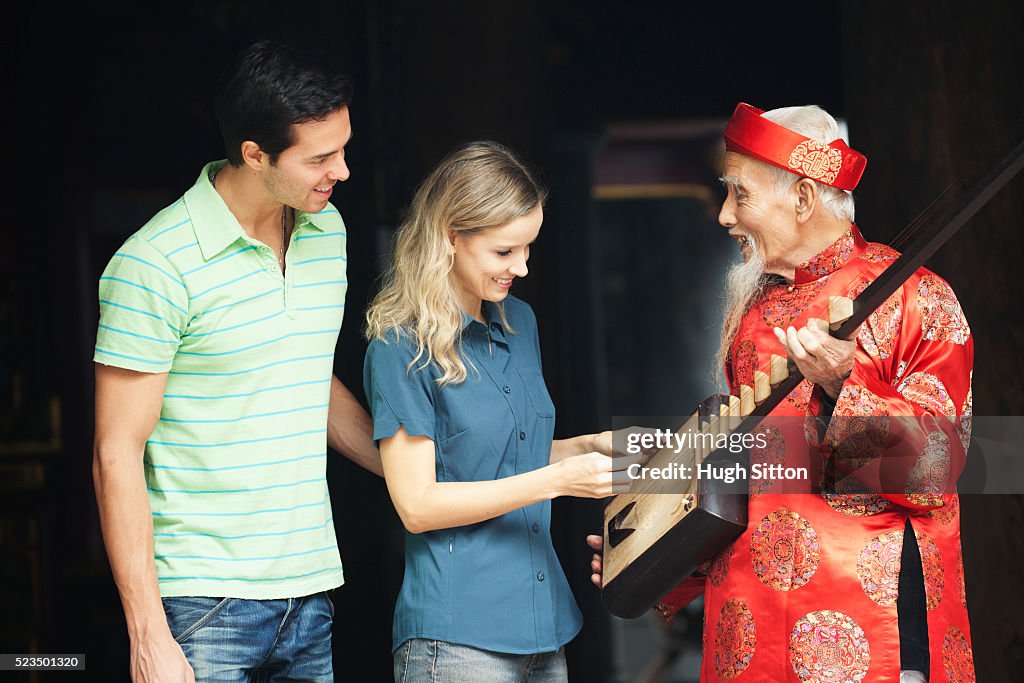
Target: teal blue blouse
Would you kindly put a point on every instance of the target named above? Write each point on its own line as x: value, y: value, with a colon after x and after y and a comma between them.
x: 495, y: 585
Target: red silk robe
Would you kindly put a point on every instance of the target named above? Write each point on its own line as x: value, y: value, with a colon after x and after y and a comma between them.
x: 808, y: 592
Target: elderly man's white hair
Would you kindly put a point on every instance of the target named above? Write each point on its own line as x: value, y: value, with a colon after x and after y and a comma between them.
x: 815, y: 123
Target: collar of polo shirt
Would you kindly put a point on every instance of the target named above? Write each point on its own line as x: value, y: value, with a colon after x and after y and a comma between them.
x: 215, y: 226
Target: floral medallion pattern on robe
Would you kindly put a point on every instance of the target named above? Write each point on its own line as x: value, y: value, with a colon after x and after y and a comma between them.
x: 879, y: 336
x: 717, y: 568
x: 930, y: 476
x: 850, y: 497
x: 934, y: 575
x: 942, y: 319
x: 878, y: 567
x: 829, y: 647
x: 967, y: 418
x: 801, y: 395
x: 957, y: 658
x: 927, y: 390
x: 784, y: 550
x: 735, y: 639
x: 773, y: 453
x: 946, y: 512
x: 961, y: 587
x: 859, y: 427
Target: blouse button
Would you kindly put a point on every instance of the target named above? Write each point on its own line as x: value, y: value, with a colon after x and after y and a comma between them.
x: 536, y: 527
x: 522, y: 436
x: 507, y: 389
x: 540, y: 576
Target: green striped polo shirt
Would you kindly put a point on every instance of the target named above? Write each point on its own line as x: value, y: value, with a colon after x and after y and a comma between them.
x: 236, y: 466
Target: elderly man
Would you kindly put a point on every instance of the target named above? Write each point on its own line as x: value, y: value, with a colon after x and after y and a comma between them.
x: 846, y: 583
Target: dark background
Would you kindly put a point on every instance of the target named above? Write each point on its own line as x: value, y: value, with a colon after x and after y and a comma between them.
x: 109, y: 119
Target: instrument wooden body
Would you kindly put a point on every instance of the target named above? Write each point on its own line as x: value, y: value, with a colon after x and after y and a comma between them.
x: 643, y: 531
x: 655, y: 536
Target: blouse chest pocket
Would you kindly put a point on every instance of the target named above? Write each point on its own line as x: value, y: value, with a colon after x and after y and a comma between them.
x: 537, y: 391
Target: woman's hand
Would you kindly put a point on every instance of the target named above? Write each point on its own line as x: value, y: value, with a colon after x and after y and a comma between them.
x: 616, y: 444
x: 594, y: 475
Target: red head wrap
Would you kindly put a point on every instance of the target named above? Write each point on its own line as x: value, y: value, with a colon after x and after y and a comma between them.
x: 750, y: 134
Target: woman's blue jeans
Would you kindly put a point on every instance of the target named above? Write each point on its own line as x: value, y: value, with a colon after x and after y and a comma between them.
x: 420, y: 660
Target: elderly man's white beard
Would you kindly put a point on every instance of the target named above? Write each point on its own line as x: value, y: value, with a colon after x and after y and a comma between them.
x: 743, y: 284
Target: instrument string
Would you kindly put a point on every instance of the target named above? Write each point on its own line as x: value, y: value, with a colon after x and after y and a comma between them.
x: 1010, y: 137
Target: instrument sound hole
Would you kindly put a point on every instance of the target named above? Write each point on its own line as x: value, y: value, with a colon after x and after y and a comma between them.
x: 616, y: 533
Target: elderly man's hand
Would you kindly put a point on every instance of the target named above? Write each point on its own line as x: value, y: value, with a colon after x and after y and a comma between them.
x: 596, y: 543
x: 821, y: 358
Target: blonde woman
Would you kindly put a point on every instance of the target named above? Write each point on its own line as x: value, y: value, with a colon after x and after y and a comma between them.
x: 465, y: 427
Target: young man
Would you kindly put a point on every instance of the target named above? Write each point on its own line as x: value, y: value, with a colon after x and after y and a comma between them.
x: 215, y: 398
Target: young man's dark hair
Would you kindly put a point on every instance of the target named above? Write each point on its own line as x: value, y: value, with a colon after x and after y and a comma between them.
x: 267, y: 88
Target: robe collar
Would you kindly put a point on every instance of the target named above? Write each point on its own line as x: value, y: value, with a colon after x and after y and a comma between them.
x: 831, y: 258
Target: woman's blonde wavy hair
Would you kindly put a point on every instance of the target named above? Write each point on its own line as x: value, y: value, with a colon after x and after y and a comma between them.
x: 479, y: 186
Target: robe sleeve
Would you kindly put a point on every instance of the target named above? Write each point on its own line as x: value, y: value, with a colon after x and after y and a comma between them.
x: 682, y: 595
x: 901, y: 424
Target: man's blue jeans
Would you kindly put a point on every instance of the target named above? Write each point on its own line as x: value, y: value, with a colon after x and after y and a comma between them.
x: 230, y: 639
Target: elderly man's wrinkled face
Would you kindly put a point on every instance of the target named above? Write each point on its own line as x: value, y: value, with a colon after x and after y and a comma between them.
x: 755, y: 211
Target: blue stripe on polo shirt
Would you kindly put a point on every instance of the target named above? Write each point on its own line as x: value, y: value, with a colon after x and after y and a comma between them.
x: 238, y: 467
x: 321, y: 284
x: 199, y: 397
x: 240, y: 325
x: 125, y: 355
x: 318, y: 480
x: 319, y: 308
x: 246, y: 559
x: 265, y: 534
x: 275, y: 290
x: 181, y: 248
x: 229, y: 282
x: 129, y: 308
x: 336, y: 568
x: 140, y: 336
x: 318, y: 260
x: 165, y: 230
x: 256, y: 346
x: 254, y: 416
x: 323, y: 234
x: 240, y: 514
x: 219, y: 260
x: 256, y: 369
x: 234, y: 443
x: 146, y: 289
x: 173, y: 278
